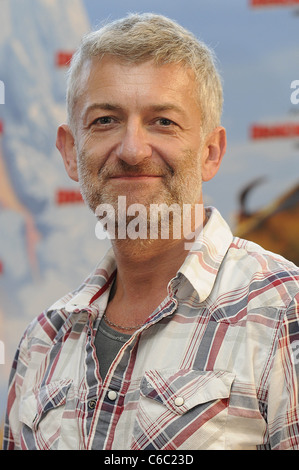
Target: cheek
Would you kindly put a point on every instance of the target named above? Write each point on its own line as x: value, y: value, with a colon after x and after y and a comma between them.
x: 188, y: 165
x: 87, y: 170
x: 93, y: 146
x: 91, y: 160
x: 189, y: 177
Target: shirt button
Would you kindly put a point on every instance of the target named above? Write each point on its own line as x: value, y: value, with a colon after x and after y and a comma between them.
x: 179, y: 401
x: 112, y: 395
x: 92, y: 404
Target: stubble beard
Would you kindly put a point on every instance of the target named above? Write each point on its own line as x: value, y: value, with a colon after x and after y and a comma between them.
x: 180, y: 185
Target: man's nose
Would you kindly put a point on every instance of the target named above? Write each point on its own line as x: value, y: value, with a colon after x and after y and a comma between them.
x: 134, y: 145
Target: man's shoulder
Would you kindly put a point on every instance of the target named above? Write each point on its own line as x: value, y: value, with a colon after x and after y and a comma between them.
x: 46, y: 325
x: 260, y: 257
x: 264, y: 270
x: 66, y: 309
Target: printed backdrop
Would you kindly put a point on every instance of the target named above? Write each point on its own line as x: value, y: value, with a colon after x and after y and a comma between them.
x: 47, y: 235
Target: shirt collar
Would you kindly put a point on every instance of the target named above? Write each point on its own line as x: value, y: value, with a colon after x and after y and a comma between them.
x: 202, y: 264
x: 200, y: 267
x: 95, y: 285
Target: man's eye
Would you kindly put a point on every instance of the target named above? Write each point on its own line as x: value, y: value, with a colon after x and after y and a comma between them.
x: 103, y: 120
x: 165, y: 122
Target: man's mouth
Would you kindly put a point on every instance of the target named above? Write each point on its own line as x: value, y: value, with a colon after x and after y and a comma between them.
x: 132, y: 177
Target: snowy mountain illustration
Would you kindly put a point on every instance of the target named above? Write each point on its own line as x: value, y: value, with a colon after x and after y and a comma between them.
x: 32, y: 33
x: 47, y: 239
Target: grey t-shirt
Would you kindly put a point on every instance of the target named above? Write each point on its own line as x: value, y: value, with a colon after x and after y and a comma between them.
x: 108, y: 343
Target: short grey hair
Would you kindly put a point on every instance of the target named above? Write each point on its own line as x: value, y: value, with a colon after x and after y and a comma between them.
x: 138, y: 38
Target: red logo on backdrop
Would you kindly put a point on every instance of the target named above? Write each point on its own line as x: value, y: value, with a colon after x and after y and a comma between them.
x: 268, y: 3
x: 68, y: 196
x: 287, y: 130
x: 1, y: 267
x: 1, y: 127
x: 63, y: 58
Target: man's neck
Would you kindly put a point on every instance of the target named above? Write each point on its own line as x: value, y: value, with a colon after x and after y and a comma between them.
x: 149, y: 263
x: 143, y: 273
x: 155, y: 261
x: 144, y: 269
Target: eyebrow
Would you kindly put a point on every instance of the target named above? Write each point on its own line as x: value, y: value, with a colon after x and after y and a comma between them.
x: 104, y: 106
x: 167, y: 107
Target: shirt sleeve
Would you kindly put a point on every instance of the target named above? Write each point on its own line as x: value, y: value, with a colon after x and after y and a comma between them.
x: 283, y: 399
x: 12, y: 425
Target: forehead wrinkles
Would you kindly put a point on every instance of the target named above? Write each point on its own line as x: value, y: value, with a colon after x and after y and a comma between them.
x: 138, y: 80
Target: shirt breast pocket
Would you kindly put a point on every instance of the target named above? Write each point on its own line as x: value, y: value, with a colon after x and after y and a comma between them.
x: 41, y: 413
x: 184, y: 409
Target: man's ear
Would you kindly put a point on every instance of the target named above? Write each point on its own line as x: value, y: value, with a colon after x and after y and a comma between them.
x: 213, y: 152
x: 66, y: 145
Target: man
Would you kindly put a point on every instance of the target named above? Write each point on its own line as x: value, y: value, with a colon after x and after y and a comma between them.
x: 162, y: 347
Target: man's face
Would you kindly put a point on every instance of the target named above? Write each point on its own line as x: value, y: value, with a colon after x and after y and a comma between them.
x: 138, y: 134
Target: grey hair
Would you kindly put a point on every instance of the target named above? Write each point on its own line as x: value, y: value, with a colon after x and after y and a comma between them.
x: 138, y: 38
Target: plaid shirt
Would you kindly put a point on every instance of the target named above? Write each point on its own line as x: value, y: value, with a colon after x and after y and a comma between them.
x: 214, y: 367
